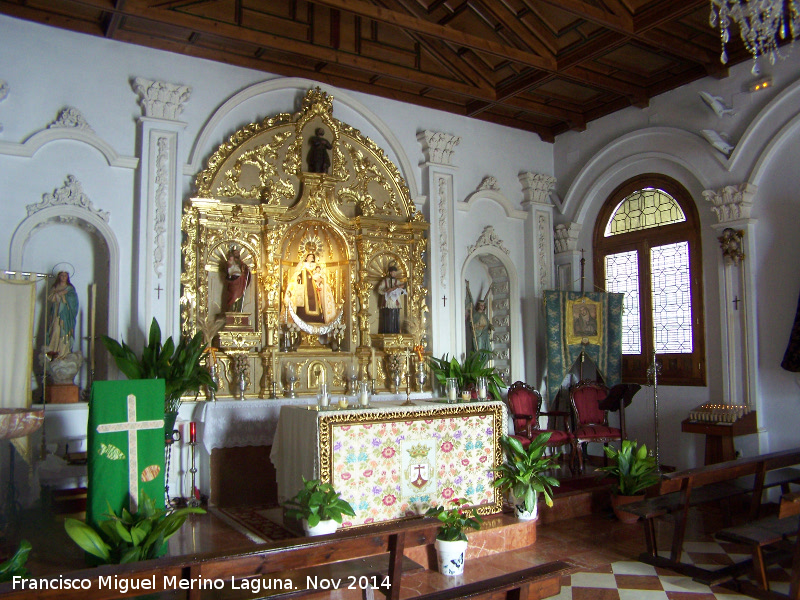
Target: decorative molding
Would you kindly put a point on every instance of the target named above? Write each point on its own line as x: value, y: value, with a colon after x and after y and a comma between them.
x: 161, y: 99
x: 70, y: 194
x: 43, y: 137
x: 542, y: 233
x: 536, y: 188
x: 566, y: 237
x: 441, y: 196
x: 70, y: 118
x: 733, y: 202
x: 438, y: 147
x: 160, y: 202
x: 731, y: 244
x: 502, y: 321
x: 502, y: 304
x: 487, y: 238
x: 488, y: 183
x: 502, y: 337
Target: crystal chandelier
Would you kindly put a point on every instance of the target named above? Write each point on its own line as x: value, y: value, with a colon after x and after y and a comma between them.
x: 762, y: 23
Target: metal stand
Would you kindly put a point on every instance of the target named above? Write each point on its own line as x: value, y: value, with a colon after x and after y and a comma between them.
x: 290, y: 393
x: 654, y: 370
x: 193, y: 501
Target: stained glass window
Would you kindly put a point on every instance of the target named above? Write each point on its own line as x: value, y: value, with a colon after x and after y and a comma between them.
x: 672, y: 298
x: 643, y: 209
x: 622, y: 276
x: 647, y: 247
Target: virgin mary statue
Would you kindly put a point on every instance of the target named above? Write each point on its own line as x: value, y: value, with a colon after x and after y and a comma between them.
x: 308, y: 294
x: 62, y: 315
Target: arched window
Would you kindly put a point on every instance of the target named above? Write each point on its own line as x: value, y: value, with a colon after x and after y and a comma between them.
x: 647, y: 246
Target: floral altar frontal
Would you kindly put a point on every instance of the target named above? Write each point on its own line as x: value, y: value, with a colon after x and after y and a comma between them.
x: 392, y: 462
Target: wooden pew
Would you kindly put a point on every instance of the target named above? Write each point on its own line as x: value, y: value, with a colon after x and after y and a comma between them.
x: 720, y: 482
x: 189, y: 574
x: 770, y: 532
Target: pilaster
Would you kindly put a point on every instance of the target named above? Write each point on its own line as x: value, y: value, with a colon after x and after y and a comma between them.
x: 735, y: 255
x: 567, y: 256
x: 439, y: 172
x: 156, y: 244
x: 539, y: 247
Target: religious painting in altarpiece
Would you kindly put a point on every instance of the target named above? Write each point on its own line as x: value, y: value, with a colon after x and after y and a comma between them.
x: 295, y: 221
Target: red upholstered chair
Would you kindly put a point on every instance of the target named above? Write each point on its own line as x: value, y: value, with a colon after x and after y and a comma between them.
x: 525, y: 405
x: 591, y: 422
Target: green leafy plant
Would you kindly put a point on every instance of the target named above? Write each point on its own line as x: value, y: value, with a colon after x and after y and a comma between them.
x: 129, y: 538
x: 179, y: 366
x: 523, y: 473
x: 632, y: 468
x: 15, y: 566
x: 475, y: 365
x: 316, y: 502
x: 455, y: 520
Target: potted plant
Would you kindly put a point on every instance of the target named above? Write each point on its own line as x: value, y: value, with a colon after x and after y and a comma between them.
x: 179, y: 366
x: 15, y: 566
x: 633, y: 471
x: 129, y: 538
x: 467, y: 373
x: 523, y: 475
x: 451, y: 540
x: 319, y: 507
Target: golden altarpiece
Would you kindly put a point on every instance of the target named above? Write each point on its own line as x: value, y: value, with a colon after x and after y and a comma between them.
x: 296, y: 222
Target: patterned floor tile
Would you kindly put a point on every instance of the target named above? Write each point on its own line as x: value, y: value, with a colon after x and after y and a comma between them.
x: 594, y: 580
x: 633, y: 568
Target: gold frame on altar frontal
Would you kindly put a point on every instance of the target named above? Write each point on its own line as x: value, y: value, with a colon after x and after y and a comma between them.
x: 316, y: 245
x: 592, y: 331
x: 327, y: 421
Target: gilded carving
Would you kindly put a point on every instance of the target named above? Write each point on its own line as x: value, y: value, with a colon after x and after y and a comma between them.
x: 316, y: 245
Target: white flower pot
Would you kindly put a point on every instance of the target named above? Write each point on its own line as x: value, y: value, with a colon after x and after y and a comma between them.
x: 519, y: 508
x: 451, y: 556
x: 322, y: 528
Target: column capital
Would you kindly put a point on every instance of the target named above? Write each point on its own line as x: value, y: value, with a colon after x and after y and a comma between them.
x: 732, y: 202
x: 161, y: 99
x: 438, y: 147
x: 536, y: 188
x: 566, y: 237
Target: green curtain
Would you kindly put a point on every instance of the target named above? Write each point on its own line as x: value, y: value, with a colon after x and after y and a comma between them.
x: 564, y: 345
x: 126, y: 446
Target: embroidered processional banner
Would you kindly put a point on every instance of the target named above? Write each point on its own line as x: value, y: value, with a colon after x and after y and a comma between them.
x: 126, y: 446
x: 589, y: 321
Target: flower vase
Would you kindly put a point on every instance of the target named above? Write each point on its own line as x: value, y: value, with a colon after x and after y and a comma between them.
x: 519, y: 508
x: 322, y: 528
x: 451, y: 556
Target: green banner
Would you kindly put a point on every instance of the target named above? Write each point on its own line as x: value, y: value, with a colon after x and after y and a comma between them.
x: 125, y: 446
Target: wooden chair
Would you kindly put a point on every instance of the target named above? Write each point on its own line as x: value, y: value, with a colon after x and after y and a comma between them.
x: 525, y: 405
x: 591, y: 422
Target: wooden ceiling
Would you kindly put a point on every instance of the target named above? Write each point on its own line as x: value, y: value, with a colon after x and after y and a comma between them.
x: 546, y: 66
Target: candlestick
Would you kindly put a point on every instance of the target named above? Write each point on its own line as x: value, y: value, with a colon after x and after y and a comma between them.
x: 372, y: 363
x: 92, y: 322
x: 192, y: 432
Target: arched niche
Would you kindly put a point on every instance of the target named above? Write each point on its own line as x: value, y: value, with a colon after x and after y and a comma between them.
x: 36, y: 232
x: 500, y: 274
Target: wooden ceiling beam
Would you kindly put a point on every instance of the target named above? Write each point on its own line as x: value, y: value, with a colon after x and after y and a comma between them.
x: 509, y: 20
x: 574, y: 118
x: 622, y: 23
x: 582, y: 75
x: 665, y: 12
x: 403, y: 21
x: 236, y: 34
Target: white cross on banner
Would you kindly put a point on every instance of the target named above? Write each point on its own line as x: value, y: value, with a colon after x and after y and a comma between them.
x: 132, y: 426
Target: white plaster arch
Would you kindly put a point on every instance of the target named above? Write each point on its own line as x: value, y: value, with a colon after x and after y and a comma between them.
x: 495, y: 196
x: 515, y: 305
x: 45, y: 136
x: 638, y: 148
x: 300, y: 84
x: 767, y: 133
x: 86, y: 220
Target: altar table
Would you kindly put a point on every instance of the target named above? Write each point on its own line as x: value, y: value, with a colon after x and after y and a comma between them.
x: 392, y: 461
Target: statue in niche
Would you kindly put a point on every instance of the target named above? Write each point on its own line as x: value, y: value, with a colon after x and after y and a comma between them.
x: 309, y: 293
x: 479, y: 325
x: 318, y: 159
x: 62, y: 316
x: 237, y: 280
x: 391, y: 290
